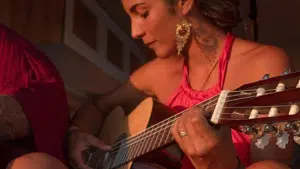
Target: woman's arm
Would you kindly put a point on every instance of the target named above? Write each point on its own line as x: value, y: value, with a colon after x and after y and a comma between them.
x: 90, y: 116
x: 128, y: 95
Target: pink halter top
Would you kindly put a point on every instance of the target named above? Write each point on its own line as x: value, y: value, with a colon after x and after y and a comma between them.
x: 186, y: 97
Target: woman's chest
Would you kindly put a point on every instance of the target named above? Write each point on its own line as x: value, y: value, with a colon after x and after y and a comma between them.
x: 166, y: 86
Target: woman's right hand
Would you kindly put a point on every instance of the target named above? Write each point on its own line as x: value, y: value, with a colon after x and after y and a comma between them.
x: 78, y: 145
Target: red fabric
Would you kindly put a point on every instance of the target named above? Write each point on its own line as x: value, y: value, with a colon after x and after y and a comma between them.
x: 28, y: 75
x: 186, y: 97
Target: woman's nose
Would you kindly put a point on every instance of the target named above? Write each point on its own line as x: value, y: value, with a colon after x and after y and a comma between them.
x: 137, y: 32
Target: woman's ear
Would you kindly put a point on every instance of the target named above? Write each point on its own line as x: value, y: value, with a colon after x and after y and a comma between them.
x: 185, y: 6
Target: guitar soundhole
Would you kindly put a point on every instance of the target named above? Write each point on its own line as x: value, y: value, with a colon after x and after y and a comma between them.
x: 99, y: 159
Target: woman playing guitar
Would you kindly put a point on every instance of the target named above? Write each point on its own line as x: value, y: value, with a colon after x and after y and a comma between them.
x: 197, y: 57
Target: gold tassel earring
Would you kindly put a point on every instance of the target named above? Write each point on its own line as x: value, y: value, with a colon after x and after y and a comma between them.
x: 183, y: 31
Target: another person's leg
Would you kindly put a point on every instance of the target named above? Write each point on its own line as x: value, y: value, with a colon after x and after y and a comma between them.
x: 36, y: 161
x: 141, y: 165
x: 268, y: 164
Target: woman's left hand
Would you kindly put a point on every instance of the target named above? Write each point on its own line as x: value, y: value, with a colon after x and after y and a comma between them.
x: 205, y: 146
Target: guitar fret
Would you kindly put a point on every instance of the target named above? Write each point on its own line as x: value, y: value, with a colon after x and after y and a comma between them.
x: 134, y: 148
x: 129, y: 157
x: 169, y: 132
x: 121, y: 153
x: 146, y: 138
x: 145, y: 147
x: 141, y: 144
x: 152, y: 139
x: 151, y: 132
x: 136, y: 145
x: 156, y: 137
x: 119, y: 157
x: 142, y: 141
x: 166, y: 127
x: 154, y: 134
x: 116, y: 160
x: 124, y: 154
x: 145, y: 142
x: 160, y: 129
x: 131, y: 150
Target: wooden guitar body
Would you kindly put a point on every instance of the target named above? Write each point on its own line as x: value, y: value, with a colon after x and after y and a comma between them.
x: 149, y: 112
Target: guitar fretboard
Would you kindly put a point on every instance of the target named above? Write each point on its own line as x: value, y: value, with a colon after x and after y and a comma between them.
x: 151, y: 139
x: 145, y: 142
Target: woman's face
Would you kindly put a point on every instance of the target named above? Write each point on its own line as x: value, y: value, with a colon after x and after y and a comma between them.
x: 154, y: 21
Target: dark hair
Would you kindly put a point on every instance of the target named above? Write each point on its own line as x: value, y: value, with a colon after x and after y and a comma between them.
x: 223, y: 13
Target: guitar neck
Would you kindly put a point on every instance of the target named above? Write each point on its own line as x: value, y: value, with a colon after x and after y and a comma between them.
x: 151, y: 139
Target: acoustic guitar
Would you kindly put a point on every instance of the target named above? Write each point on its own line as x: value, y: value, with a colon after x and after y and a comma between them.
x: 263, y: 109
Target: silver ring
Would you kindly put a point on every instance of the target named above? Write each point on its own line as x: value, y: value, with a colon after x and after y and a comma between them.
x: 183, y: 133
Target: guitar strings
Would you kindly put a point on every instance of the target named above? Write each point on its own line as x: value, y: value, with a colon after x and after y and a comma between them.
x: 159, y: 123
x: 145, y: 132
x: 210, y: 101
x: 138, y: 135
x: 151, y: 134
x: 161, y: 129
x: 120, y: 148
x: 133, y: 139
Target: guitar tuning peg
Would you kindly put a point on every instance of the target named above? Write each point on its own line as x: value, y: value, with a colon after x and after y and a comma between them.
x: 271, y: 129
x: 287, y: 71
x: 293, y: 127
x: 282, y: 139
x: 247, y: 129
x: 297, y: 139
x: 263, y: 141
x: 266, y: 76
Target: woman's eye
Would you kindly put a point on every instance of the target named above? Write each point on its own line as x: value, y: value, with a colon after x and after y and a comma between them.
x: 145, y: 14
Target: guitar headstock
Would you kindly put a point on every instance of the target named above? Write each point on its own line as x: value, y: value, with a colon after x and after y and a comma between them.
x: 264, y: 109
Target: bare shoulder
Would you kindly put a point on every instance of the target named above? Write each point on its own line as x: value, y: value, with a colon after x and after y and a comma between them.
x: 272, y: 58
x: 129, y: 94
x: 250, y: 61
x: 146, y: 76
x: 259, y: 59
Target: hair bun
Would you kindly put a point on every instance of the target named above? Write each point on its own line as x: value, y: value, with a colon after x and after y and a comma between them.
x: 223, y: 13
